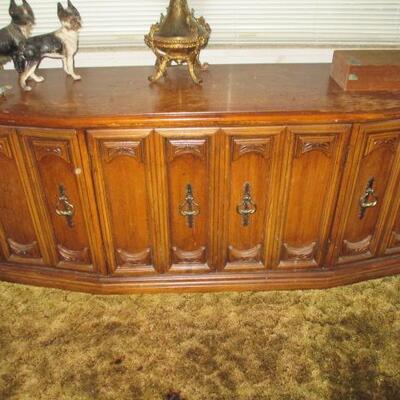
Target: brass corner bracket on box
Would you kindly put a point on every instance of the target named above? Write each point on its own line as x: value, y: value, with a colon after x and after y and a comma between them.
x: 178, y: 37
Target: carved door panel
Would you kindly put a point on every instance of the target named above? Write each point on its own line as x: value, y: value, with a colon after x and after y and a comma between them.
x: 391, y: 241
x: 64, y: 196
x: 19, y: 241
x: 122, y: 174
x: 252, y: 173
x: 314, y: 160
x: 371, y: 175
x: 190, y: 187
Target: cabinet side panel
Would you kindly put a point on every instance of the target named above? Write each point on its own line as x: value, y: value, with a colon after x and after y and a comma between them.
x: 21, y: 244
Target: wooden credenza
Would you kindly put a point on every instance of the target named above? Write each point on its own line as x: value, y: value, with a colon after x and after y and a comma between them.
x: 266, y: 177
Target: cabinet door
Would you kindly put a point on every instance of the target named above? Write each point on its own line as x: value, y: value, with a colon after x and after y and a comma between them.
x: 391, y: 241
x: 19, y: 241
x: 191, y: 190
x: 370, y: 179
x: 64, y: 196
x: 314, y: 159
x: 121, y: 169
x: 252, y: 156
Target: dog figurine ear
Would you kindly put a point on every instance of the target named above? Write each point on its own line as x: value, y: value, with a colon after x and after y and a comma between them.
x: 13, y: 10
x: 72, y: 7
x: 60, y: 11
x: 28, y: 8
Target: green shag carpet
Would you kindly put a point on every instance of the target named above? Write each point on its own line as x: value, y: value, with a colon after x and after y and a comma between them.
x: 336, y: 344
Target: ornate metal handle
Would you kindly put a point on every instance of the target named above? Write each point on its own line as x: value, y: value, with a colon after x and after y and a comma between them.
x: 247, y: 207
x: 368, y: 199
x: 189, y: 208
x: 64, y: 208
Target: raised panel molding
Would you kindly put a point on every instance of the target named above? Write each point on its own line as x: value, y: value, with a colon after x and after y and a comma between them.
x: 179, y: 147
x: 113, y: 149
x: 5, y: 149
x: 140, y: 258
x: 299, y: 254
x: 252, y: 255
x: 308, y: 143
x: 43, y: 148
x: 29, y: 250
x: 261, y: 146
x: 357, y: 248
x: 74, y: 256
x: 188, y: 257
x: 394, y: 240
x: 376, y: 141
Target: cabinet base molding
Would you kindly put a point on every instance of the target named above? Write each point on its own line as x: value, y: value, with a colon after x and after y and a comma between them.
x: 210, y: 282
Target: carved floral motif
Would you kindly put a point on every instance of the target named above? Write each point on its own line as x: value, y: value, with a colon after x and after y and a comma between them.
x: 115, y: 149
x: 187, y: 257
x: 252, y: 255
x: 261, y: 146
x: 356, y: 248
x: 299, y: 254
x: 375, y: 142
x: 140, y: 258
x: 394, y: 240
x: 179, y: 147
x: 74, y: 256
x: 44, y: 148
x: 306, y: 144
x: 30, y: 250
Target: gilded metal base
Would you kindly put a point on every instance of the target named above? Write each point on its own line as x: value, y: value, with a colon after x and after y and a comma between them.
x: 178, y: 38
x: 164, y: 61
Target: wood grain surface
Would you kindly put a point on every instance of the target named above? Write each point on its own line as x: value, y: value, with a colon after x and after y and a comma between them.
x: 120, y: 96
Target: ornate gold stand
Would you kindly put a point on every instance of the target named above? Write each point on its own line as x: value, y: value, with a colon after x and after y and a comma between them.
x: 178, y: 37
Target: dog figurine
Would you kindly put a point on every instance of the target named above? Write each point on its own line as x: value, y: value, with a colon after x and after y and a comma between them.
x: 19, y: 29
x: 62, y: 43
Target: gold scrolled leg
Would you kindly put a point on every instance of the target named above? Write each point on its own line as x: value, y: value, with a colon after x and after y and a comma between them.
x: 192, y: 63
x: 199, y: 65
x: 161, y: 68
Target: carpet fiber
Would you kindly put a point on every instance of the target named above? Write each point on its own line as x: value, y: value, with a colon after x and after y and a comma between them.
x: 342, y: 343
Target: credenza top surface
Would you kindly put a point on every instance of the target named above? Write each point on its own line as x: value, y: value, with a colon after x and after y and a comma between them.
x: 123, y: 96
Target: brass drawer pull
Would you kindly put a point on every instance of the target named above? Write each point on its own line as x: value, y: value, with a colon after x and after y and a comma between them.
x: 247, y: 207
x: 189, y: 208
x: 64, y: 208
x: 368, y: 199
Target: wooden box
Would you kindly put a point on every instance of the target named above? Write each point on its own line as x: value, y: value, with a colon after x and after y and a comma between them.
x: 366, y: 70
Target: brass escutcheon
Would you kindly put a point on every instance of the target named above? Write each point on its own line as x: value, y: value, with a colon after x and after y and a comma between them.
x: 189, y: 208
x: 64, y: 208
x: 368, y: 199
x: 247, y: 207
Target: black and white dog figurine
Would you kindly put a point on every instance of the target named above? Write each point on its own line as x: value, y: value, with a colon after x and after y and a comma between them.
x: 19, y: 29
x: 62, y: 43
